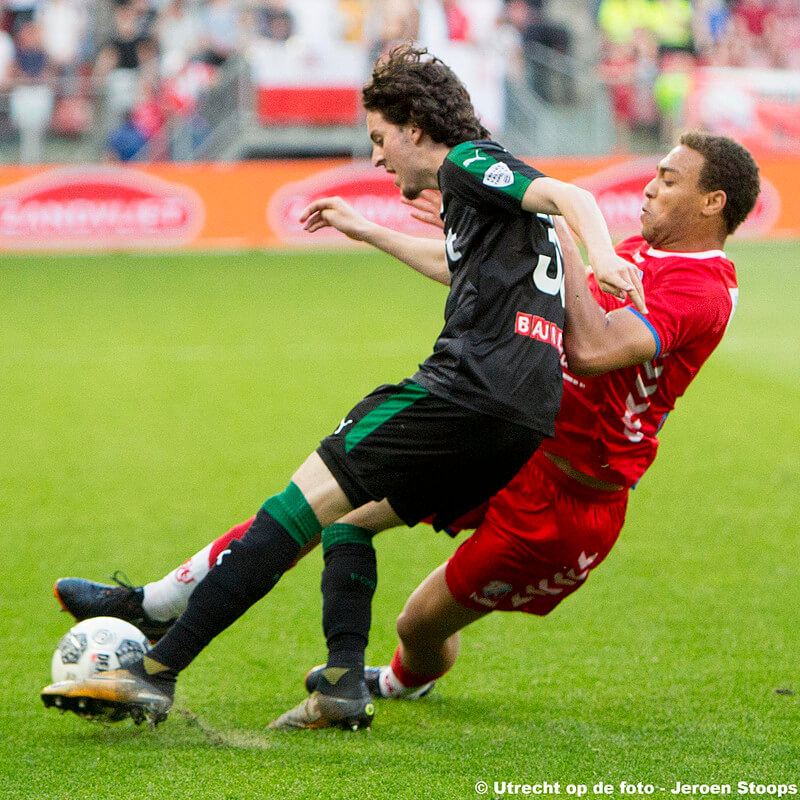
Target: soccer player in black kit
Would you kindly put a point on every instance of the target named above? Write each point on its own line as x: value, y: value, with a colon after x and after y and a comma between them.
x: 433, y: 446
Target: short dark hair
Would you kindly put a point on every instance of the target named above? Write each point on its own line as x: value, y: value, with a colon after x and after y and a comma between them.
x: 730, y: 167
x: 411, y: 86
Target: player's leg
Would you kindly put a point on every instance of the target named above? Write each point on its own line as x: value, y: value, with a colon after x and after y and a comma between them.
x: 377, y: 678
x: 166, y: 598
x: 340, y: 694
x: 445, y: 459
x: 152, y: 607
x: 251, y: 566
x: 541, y: 537
x: 428, y: 629
x: 155, y: 606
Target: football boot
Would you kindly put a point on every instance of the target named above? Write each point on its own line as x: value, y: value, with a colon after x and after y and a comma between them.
x: 372, y: 677
x: 340, y: 700
x: 84, y: 599
x: 115, y: 695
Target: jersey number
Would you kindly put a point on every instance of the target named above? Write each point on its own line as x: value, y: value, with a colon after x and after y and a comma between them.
x: 548, y: 277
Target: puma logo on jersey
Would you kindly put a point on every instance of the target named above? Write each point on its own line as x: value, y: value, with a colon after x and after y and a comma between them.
x: 222, y: 555
x: 450, y: 244
x: 342, y: 425
x: 476, y: 157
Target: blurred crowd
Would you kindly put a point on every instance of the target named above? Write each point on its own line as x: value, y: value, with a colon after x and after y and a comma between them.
x: 651, y: 47
x: 131, y: 67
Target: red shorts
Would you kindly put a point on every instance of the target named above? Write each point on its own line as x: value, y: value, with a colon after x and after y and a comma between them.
x: 539, y: 540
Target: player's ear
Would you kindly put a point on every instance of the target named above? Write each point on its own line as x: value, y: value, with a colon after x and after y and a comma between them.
x: 416, y: 134
x: 714, y: 203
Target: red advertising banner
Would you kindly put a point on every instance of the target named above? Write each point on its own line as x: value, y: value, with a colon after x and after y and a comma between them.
x: 257, y: 204
x: 758, y: 107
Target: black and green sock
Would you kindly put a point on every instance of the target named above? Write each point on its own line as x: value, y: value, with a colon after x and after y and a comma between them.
x: 243, y: 574
x: 348, y: 585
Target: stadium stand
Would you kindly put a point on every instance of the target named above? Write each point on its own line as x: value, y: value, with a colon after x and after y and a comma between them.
x: 224, y: 79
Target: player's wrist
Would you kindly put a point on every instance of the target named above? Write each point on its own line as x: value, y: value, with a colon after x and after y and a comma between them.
x: 367, y: 232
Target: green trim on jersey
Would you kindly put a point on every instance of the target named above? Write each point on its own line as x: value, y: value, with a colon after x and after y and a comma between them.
x: 407, y: 396
x: 344, y: 533
x: 489, y: 171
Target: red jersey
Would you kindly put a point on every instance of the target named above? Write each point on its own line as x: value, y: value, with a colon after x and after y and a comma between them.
x: 608, y: 425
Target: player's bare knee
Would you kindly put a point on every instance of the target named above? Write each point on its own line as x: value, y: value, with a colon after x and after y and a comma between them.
x: 408, y: 628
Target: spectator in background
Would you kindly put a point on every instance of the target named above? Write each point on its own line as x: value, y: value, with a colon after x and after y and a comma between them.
x: 738, y: 46
x: 618, y: 19
x: 177, y: 31
x: 122, y: 48
x: 125, y: 141
x: 483, y: 17
x: 671, y: 90
x: 273, y: 21
x: 671, y: 21
x: 776, y: 45
x: 753, y: 13
x: 542, y: 31
x: 19, y: 13
x: 65, y: 36
x: 433, y: 24
x: 709, y: 22
x: 31, y: 62
x: 631, y: 70
x: 354, y: 18
x: 221, y: 32
x: 756, y: 34
x: 457, y: 21
x: 64, y: 27
x: 506, y: 37
x: 393, y: 22
x: 781, y: 35
x: 148, y: 114
x: 618, y: 70
x: 7, y: 58
x: 645, y: 120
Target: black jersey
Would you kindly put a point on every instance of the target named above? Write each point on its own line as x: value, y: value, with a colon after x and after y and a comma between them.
x: 499, y: 350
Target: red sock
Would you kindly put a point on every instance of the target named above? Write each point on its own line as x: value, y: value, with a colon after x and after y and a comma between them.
x: 408, y: 678
x: 236, y: 532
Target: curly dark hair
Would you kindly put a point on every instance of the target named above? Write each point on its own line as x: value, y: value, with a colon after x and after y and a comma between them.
x: 411, y: 86
x: 730, y: 167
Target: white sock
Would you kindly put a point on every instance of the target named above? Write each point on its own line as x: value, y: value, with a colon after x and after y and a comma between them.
x: 167, y: 598
x: 391, y: 686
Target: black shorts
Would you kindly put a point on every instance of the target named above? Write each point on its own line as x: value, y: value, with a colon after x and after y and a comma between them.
x: 427, y: 456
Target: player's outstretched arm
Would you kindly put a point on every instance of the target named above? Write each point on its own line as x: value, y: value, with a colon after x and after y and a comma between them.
x: 426, y: 256
x: 580, y: 210
x: 596, y: 342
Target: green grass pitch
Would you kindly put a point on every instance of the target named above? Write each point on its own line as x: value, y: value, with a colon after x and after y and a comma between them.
x: 149, y: 402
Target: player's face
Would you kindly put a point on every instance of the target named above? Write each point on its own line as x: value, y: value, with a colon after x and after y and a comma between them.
x: 673, y: 200
x: 394, y: 148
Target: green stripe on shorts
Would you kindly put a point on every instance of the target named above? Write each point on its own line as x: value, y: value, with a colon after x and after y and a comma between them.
x: 407, y: 396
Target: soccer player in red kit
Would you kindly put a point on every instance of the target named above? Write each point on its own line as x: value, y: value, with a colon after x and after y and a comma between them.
x: 538, y: 539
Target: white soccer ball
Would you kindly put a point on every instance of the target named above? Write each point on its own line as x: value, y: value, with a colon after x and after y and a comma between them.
x: 95, y: 645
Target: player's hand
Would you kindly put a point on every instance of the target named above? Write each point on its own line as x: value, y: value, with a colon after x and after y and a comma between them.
x: 333, y: 212
x: 426, y: 207
x: 619, y: 277
x: 569, y: 247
